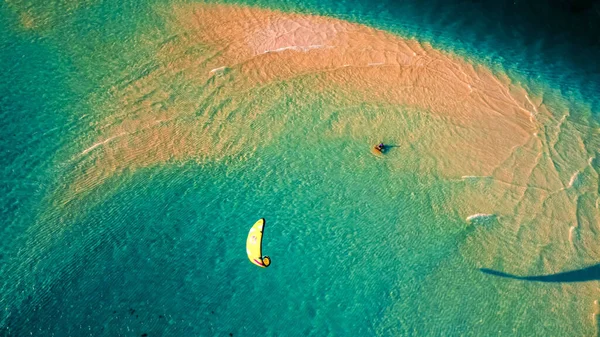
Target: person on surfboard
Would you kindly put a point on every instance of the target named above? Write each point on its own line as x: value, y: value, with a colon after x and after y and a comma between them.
x: 380, y: 147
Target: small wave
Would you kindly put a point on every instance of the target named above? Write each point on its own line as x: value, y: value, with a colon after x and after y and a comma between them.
x: 571, y: 231
x: 530, y: 102
x: 474, y: 177
x: 101, y: 143
x: 218, y: 70
x: 297, y: 48
x: 573, y: 179
x: 480, y: 217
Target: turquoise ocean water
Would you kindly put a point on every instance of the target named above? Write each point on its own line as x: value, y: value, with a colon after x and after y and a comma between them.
x: 360, y: 246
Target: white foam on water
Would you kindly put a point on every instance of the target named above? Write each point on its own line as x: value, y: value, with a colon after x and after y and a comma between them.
x: 218, y: 69
x: 102, y: 143
x: 297, y: 48
x: 474, y: 177
x: 110, y: 139
x: 530, y: 102
x: 573, y: 179
x: 571, y: 230
x: 480, y: 216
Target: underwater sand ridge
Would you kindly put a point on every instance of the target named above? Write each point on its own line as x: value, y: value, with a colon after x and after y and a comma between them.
x: 214, y: 88
x: 190, y: 106
x: 196, y: 101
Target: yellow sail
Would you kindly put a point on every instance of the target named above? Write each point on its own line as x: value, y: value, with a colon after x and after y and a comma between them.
x: 254, y: 245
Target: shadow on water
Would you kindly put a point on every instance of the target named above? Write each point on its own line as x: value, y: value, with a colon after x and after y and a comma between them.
x: 591, y: 273
x: 388, y: 147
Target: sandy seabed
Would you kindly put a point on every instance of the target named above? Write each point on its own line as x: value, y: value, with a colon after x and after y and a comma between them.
x: 213, y: 91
